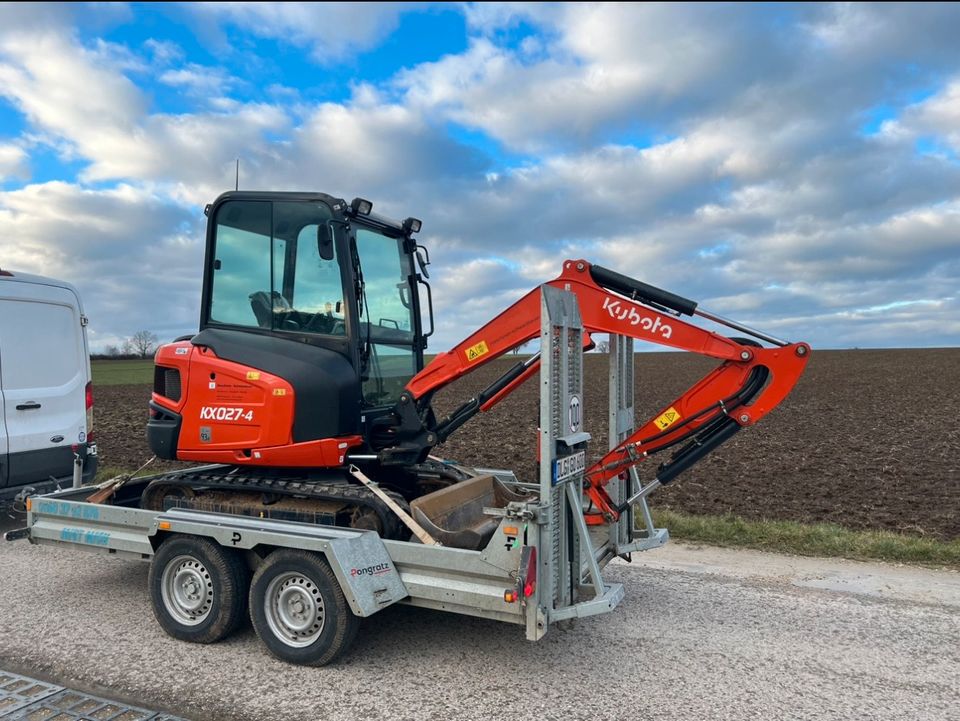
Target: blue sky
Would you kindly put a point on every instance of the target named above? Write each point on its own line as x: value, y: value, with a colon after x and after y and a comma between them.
x: 792, y: 166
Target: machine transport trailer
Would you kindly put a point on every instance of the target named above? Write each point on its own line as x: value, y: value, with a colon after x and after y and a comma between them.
x: 322, y: 500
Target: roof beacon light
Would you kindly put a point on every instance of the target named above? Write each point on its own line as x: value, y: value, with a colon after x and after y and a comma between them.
x: 361, y: 206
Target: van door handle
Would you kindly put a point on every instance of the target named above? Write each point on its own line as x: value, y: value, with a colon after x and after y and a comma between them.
x: 31, y: 406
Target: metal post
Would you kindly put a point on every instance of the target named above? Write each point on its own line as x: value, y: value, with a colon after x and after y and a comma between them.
x: 571, y: 584
x: 77, y: 467
x: 629, y: 533
x: 621, y: 425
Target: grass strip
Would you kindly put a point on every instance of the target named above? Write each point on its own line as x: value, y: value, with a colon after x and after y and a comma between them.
x: 808, y: 539
x: 122, y: 372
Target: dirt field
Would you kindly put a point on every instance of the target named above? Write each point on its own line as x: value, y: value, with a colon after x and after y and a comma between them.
x: 868, y: 439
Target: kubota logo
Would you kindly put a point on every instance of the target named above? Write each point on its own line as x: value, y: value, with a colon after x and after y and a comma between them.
x: 630, y: 314
x: 224, y: 413
x: 377, y: 570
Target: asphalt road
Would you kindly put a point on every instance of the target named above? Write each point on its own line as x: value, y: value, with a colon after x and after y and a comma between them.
x: 701, y: 634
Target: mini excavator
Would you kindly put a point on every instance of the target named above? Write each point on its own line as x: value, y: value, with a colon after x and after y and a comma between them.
x: 309, y: 362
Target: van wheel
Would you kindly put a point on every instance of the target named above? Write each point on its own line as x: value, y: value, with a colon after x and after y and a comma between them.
x: 298, y: 609
x: 198, y: 589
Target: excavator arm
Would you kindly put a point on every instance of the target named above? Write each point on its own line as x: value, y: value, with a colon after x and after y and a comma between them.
x: 748, y: 384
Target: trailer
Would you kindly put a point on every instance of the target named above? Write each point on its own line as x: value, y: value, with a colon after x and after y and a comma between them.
x: 305, y: 586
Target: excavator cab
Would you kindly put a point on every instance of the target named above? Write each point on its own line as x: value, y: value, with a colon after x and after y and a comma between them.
x: 310, y: 328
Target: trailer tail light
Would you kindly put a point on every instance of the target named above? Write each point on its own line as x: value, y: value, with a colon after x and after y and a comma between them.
x: 527, y: 582
x: 88, y: 399
x: 526, y: 577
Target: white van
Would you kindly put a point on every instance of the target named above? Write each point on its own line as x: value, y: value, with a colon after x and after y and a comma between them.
x: 46, y: 395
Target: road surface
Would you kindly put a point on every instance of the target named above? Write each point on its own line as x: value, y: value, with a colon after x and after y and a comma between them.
x: 702, y: 633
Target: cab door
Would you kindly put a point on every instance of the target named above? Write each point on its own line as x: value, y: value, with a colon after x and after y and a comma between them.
x: 43, y: 375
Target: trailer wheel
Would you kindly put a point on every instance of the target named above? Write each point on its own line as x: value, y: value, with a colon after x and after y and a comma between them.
x: 198, y: 589
x: 298, y: 609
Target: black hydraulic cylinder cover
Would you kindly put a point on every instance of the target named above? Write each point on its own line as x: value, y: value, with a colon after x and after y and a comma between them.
x: 619, y: 283
x: 325, y: 383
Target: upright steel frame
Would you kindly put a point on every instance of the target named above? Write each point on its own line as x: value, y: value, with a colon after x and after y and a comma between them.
x: 635, y: 530
x: 570, y: 584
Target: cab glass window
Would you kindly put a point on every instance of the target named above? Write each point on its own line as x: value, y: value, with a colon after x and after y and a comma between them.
x: 275, y: 268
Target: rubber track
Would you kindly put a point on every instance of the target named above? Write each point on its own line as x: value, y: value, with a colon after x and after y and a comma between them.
x: 343, y: 492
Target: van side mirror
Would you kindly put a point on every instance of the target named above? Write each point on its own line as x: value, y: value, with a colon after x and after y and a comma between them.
x: 325, y: 241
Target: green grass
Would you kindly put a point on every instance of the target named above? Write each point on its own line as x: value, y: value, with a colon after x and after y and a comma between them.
x: 809, y: 539
x: 105, y: 473
x: 122, y: 372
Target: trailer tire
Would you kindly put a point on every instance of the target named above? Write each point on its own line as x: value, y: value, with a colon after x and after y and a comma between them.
x: 298, y: 609
x: 198, y: 589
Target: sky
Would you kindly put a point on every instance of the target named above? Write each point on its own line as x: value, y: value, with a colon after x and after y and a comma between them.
x: 795, y: 167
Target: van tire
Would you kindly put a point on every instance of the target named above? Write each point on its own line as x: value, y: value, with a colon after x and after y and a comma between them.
x: 198, y: 589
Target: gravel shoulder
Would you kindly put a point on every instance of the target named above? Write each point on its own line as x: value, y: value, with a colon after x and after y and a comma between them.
x: 702, y: 633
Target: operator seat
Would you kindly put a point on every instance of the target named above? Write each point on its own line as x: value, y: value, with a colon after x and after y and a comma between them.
x: 265, y: 304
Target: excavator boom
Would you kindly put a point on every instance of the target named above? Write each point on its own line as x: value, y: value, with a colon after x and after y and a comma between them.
x: 749, y: 383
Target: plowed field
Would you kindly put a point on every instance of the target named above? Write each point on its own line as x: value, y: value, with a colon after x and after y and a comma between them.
x: 868, y: 439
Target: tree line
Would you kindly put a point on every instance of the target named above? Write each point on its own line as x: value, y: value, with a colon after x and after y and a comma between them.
x: 140, y: 345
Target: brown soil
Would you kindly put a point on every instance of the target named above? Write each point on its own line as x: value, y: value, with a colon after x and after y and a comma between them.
x: 868, y: 439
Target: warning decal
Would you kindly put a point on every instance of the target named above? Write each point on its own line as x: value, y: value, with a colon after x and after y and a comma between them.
x: 477, y: 351
x: 667, y: 418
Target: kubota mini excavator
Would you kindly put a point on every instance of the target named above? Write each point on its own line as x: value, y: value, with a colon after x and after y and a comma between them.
x: 309, y: 359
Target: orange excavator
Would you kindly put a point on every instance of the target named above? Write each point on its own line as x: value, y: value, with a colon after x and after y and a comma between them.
x: 309, y: 360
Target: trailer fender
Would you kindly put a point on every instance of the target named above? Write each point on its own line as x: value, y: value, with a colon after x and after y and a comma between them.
x: 359, y: 560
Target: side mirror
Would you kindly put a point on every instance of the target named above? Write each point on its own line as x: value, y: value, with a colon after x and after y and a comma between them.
x: 423, y: 262
x: 325, y: 241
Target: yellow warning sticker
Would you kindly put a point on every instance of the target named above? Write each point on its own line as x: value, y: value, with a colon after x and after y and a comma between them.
x: 667, y: 418
x: 253, y: 375
x: 279, y: 391
x: 477, y: 351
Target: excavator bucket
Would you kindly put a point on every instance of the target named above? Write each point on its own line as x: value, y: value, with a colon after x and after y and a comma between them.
x: 454, y: 515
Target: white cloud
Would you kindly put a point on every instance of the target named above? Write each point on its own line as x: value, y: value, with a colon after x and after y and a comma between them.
x: 937, y: 116
x: 66, y: 89
x: 135, y: 258
x: 607, y: 66
x: 385, y: 152
x: 13, y: 162
x: 330, y: 31
x: 81, y: 99
x: 163, y: 52
x: 714, y: 151
x: 198, y: 79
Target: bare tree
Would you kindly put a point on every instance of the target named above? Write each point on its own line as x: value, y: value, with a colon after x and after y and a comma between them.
x: 603, y: 346
x: 142, y: 343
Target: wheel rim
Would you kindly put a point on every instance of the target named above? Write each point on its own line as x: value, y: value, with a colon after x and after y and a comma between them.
x: 294, y: 609
x: 187, y: 590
